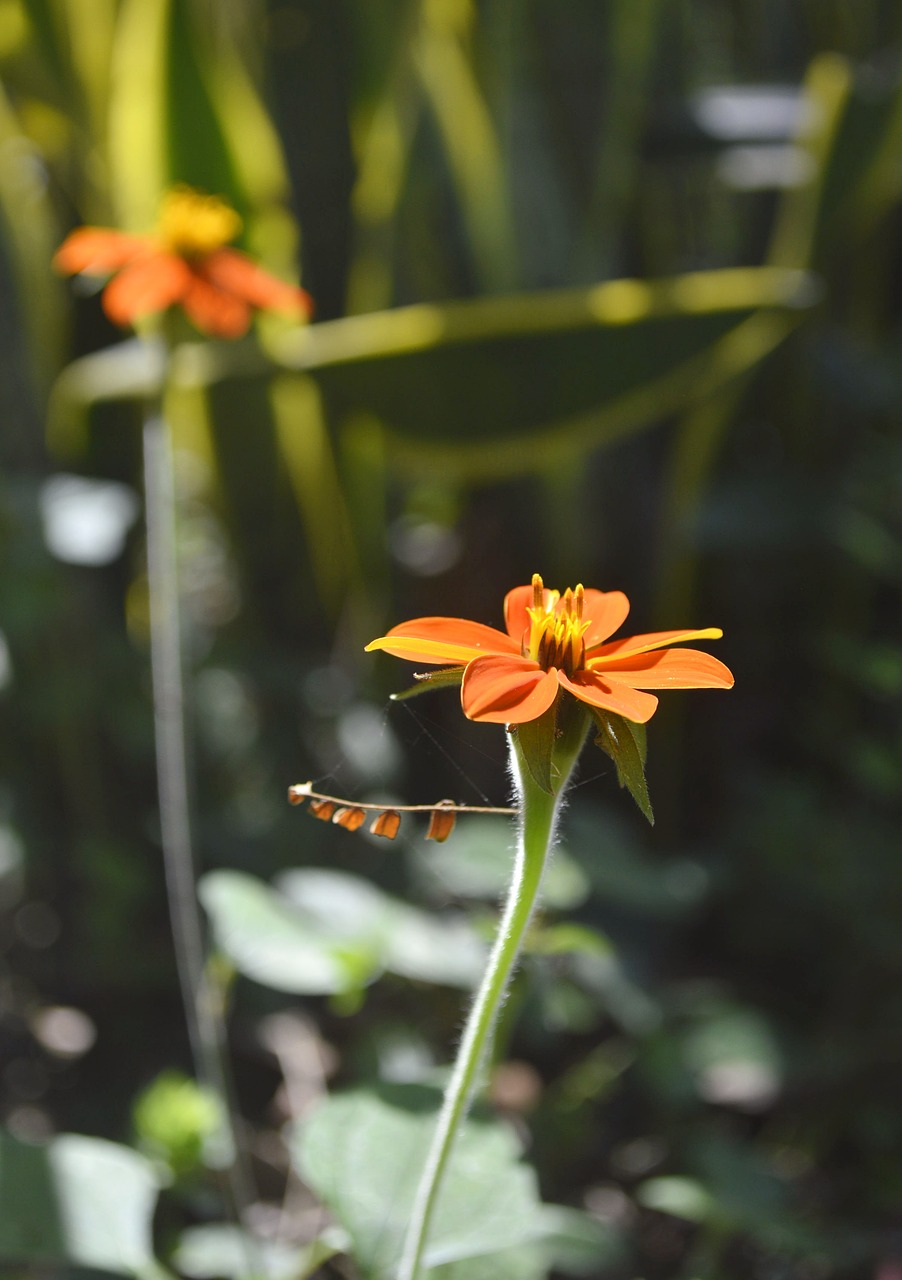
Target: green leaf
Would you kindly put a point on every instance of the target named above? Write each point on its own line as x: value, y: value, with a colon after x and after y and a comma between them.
x: 441, y: 678
x: 269, y: 940
x: 537, y: 741
x: 363, y: 1153
x: 411, y: 943
x: 76, y: 1200
x: 567, y: 939
x: 571, y: 1242
x: 221, y: 1250
x: 624, y: 742
x: 324, y: 932
x: 477, y: 864
x: 682, y: 1197
x: 503, y: 385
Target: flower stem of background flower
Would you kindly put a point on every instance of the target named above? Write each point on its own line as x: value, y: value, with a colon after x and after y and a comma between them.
x: 205, y: 1024
x: 538, y: 816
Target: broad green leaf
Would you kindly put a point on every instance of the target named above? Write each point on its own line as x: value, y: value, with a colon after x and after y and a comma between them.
x: 76, y: 1200
x: 327, y: 932
x: 414, y: 944
x: 220, y: 1250
x: 579, y: 1245
x: 477, y: 863
x: 571, y: 1243
x: 269, y: 939
x: 469, y: 384
x: 617, y: 738
x: 363, y: 1152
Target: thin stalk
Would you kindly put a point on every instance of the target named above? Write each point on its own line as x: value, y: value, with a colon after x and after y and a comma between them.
x: 198, y: 996
x: 538, y: 810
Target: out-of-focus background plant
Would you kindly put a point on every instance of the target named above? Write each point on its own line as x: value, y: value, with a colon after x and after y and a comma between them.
x: 603, y: 289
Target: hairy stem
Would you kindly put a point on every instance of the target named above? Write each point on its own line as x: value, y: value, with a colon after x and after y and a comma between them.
x: 538, y: 810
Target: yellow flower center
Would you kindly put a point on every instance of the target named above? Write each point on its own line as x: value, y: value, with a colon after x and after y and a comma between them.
x: 191, y: 224
x: 556, y: 629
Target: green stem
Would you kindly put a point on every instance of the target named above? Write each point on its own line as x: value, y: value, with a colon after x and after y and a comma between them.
x: 200, y: 1001
x: 538, y: 814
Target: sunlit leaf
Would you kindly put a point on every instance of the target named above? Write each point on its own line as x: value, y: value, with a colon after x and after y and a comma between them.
x: 478, y: 863
x: 220, y: 1250
x: 412, y: 943
x: 268, y: 939
x: 363, y: 1153
x: 472, y: 382
x: 77, y: 1200
x: 617, y: 738
x: 328, y: 932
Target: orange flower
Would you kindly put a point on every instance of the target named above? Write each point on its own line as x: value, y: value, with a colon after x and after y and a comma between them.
x: 185, y: 263
x: 555, y: 643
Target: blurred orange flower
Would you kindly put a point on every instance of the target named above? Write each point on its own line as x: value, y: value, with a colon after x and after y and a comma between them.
x: 184, y: 262
x: 555, y: 643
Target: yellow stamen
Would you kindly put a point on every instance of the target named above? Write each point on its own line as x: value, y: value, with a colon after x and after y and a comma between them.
x: 556, y: 628
x: 192, y: 224
x: 538, y: 591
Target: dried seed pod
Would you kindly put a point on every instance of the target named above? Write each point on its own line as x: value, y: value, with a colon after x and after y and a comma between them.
x: 322, y: 809
x: 386, y: 824
x: 441, y: 822
x: 349, y: 817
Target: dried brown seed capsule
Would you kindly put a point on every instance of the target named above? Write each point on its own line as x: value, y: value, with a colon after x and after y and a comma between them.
x: 297, y: 795
x: 349, y: 817
x: 322, y: 809
x: 386, y: 824
x: 441, y: 822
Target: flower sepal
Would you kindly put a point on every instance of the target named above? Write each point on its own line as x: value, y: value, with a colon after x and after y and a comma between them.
x: 550, y: 743
x: 426, y: 681
x: 624, y: 741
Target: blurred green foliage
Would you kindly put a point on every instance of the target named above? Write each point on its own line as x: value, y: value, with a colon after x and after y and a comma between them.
x: 606, y: 290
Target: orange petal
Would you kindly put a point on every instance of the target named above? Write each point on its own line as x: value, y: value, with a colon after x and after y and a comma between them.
x: 671, y: 669
x: 506, y: 690
x: 437, y: 640
x: 98, y: 250
x: 215, y: 311
x: 151, y: 283
x: 605, y: 611
x: 516, y: 619
x: 236, y: 273
x: 630, y: 645
x: 610, y: 695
